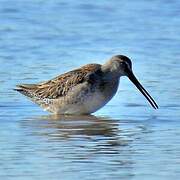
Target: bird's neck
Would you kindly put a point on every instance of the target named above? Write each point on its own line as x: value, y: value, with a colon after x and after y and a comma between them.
x: 109, y: 72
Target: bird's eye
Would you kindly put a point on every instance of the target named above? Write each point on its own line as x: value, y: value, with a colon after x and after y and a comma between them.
x: 123, y: 65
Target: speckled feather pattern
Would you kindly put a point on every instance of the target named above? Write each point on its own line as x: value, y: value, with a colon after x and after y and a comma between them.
x: 65, y: 90
x: 61, y: 85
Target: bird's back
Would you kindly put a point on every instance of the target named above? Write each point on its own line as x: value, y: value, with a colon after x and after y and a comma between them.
x: 64, y: 88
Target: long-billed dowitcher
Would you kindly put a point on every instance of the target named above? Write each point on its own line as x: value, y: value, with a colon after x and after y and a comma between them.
x: 83, y: 90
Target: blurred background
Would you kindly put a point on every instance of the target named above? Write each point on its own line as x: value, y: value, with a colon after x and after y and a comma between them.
x: 125, y: 139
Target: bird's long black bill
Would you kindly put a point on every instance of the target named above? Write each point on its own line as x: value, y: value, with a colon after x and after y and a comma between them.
x: 132, y: 77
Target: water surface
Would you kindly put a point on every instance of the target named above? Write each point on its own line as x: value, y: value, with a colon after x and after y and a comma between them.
x: 126, y: 139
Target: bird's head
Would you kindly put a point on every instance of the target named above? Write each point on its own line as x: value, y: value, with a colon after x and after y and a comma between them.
x: 121, y: 65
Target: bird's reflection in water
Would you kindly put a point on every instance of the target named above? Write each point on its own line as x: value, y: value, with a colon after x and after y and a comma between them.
x: 67, y: 126
x: 83, y: 138
x: 64, y: 127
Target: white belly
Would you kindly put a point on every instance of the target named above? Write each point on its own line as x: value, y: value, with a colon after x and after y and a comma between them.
x: 89, y: 105
x: 81, y: 102
x: 94, y: 102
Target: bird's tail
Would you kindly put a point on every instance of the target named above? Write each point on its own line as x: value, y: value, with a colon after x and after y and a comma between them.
x: 25, y: 89
x: 29, y: 90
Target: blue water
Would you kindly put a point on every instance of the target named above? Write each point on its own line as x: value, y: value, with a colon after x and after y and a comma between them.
x: 126, y: 139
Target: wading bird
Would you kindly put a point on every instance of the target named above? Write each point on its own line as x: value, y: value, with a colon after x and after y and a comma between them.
x: 83, y: 90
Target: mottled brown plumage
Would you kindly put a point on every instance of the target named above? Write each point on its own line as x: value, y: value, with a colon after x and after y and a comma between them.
x: 62, y: 84
x: 81, y: 91
x: 47, y: 92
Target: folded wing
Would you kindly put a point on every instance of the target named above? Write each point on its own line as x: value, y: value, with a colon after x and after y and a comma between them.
x: 59, y: 86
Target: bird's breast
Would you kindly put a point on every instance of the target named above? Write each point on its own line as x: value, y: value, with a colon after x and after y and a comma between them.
x: 97, y: 96
x: 87, y: 98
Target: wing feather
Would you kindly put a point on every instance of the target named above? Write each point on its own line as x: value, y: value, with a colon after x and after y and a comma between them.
x: 59, y: 86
